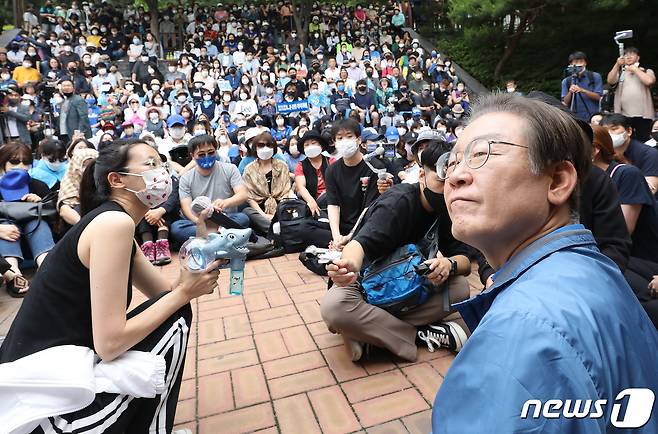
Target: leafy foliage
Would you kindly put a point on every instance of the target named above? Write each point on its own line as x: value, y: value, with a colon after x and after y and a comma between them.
x: 476, y: 37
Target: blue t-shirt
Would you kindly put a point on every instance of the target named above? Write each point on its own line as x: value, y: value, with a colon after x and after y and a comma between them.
x: 634, y: 190
x: 583, y: 106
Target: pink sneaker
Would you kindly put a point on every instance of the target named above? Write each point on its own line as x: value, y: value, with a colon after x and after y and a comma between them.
x: 162, y: 253
x: 148, y: 248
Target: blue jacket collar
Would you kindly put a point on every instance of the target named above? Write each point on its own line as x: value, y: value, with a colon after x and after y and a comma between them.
x: 474, y: 309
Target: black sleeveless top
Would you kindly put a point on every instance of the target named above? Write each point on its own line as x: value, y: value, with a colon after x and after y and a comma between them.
x: 57, y: 309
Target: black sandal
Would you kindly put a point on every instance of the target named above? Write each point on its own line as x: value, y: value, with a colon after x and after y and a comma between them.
x: 17, y: 286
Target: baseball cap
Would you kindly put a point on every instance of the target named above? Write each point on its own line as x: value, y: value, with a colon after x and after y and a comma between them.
x: 392, y: 135
x: 175, y: 119
x: 370, y: 134
x: 253, y: 132
x: 15, y: 184
x: 428, y: 135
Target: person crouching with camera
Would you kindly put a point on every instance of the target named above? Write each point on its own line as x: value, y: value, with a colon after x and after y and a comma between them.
x: 406, y: 214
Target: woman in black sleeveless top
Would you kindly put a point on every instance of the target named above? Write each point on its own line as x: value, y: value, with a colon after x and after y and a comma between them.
x: 81, y: 293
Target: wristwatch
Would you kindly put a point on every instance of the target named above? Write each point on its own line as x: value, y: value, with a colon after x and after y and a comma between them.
x: 453, y: 267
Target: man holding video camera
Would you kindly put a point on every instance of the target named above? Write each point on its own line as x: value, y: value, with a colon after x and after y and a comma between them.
x: 581, y: 89
x: 633, y: 92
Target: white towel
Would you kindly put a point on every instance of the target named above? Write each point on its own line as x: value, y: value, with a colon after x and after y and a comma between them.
x: 64, y: 379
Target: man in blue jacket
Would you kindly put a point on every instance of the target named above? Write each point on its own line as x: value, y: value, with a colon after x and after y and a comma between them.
x: 559, y: 342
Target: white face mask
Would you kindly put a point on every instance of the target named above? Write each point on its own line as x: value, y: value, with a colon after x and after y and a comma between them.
x: 618, y: 139
x: 313, y: 151
x: 177, y: 132
x: 158, y: 187
x: 265, y: 153
x: 280, y: 122
x: 226, y: 98
x: 199, y: 132
x: 154, y: 117
x: 347, y: 147
x: 25, y: 103
x: 222, y: 140
x: 243, y: 96
x: 293, y: 151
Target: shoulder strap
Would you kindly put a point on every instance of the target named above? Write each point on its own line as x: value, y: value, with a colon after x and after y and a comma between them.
x: 614, y: 169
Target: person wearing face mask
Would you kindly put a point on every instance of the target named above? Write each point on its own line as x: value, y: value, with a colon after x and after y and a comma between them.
x: 135, y: 49
x: 208, y: 107
x: 74, y: 115
x: 26, y: 73
x: 118, y: 189
x: 280, y: 131
x: 267, y: 181
x: 581, y: 89
x: 404, y: 215
x: 310, y: 173
x: 245, y: 105
x: 17, y: 185
x: 633, y: 151
x: 50, y: 169
x: 154, y: 123
x: 17, y: 116
x: 219, y: 181
x: 351, y: 184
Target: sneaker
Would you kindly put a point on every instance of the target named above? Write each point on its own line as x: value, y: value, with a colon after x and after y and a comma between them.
x: 359, y: 351
x: 447, y: 335
x: 162, y: 253
x: 148, y: 248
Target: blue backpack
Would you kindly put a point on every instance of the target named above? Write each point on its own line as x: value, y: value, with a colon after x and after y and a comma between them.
x: 393, y: 284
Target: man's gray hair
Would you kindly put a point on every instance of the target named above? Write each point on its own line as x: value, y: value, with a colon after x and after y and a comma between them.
x: 553, y: 135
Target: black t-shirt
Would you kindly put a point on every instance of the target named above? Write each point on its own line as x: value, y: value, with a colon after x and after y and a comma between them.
x: 634, y: 190
x: 600, y: 213
x: 57, y: 310
x: 395, y: 219
x: 398, y: 218
x: 346, y: 189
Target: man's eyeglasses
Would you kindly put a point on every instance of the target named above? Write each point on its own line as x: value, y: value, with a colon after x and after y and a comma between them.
x: 16, y: 162
x: 476, y: 155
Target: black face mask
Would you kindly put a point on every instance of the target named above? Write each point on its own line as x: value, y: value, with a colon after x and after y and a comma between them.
x: 436, y: 201
x: 654, y: 136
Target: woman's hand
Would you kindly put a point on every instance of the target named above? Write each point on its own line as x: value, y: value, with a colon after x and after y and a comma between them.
x: 193, y: 285
x: 154, y: 216
x: 31, y: 197
x: 9, y: 232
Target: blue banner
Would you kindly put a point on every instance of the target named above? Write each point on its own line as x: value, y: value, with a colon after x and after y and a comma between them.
x: 290, y: 107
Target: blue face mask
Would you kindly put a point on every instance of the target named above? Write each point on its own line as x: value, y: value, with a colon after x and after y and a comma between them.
x: 227, y: 119
x: 206, y: 162
x: 341, y: 88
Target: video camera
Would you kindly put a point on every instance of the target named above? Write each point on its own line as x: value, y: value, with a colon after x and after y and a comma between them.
x: 619, y: 36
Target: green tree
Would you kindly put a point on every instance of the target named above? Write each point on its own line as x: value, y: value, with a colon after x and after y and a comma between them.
x: 513, y: 19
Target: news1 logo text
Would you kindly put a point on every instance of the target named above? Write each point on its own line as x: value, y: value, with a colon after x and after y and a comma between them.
x: 631, y: 408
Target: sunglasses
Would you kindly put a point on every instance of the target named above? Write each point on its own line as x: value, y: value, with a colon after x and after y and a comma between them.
x: 263, y: 144
x: 16, y: 162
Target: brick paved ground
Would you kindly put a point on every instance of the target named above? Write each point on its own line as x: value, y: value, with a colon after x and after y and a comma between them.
x: 265, y: 362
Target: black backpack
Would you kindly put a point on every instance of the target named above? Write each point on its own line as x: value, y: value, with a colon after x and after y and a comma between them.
x: 298, y: 229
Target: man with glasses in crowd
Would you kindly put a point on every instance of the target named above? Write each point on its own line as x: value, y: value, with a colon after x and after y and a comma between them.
x: 545, y: 329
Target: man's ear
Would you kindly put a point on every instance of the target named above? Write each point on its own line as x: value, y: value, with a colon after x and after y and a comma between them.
x: 421, y: 175
x: 563, y: 182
